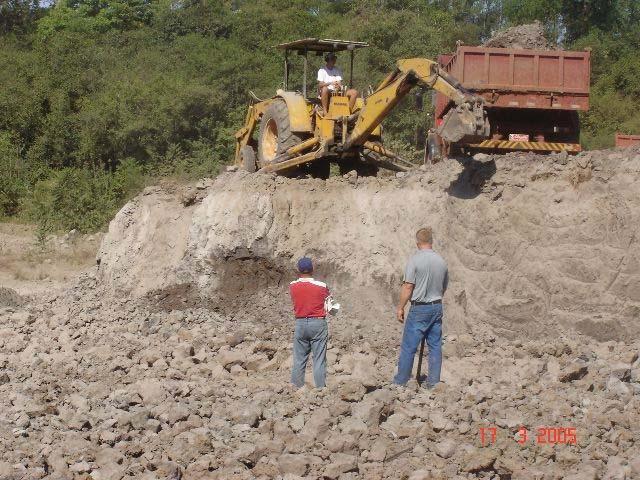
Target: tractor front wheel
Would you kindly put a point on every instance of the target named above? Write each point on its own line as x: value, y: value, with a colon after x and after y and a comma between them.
x: 275, y: 136
x: 248, y: 158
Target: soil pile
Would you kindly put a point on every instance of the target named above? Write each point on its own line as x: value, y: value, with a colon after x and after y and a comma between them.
x: 536, y: 245
x: 171, y: 359
x: 529, y: 36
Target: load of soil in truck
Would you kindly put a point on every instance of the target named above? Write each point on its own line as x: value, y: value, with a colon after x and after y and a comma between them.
x: 532, y: 93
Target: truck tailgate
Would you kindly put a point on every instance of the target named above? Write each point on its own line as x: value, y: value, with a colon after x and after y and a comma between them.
x: 550, y: 79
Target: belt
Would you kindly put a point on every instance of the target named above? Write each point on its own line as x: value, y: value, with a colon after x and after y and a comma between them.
x: 427, y: 303
x: 310, y: 318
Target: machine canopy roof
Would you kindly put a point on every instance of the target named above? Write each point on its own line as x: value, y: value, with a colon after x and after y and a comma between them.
x: 321, y: 45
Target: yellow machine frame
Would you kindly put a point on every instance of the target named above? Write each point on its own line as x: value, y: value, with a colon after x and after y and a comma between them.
x: 342, y: 133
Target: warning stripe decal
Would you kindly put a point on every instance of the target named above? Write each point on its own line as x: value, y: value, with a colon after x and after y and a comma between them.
x: 539, y: 146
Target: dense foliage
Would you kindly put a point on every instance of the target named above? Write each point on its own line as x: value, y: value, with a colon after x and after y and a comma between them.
x: 98, y: 96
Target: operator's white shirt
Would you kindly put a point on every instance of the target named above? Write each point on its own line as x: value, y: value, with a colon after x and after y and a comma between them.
x: 330, y: 75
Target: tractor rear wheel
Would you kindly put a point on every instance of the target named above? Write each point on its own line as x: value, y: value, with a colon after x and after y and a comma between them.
x: 248, y: 157
x: 275, y: 136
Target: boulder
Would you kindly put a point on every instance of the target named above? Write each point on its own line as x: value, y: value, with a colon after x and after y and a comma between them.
x: 293, y: 463
x: 446, y: 448
x: 573, y: 371
x: 317, y: 427
x: 340, y: 463
x: 246, y: 413
x: 151, y: 391
x: 479, y: 460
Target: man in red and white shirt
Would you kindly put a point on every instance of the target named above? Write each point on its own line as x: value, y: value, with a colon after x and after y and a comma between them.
x: 311, y: 333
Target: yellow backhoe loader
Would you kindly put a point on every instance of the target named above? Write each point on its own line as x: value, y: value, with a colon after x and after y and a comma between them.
x: 296, y: 135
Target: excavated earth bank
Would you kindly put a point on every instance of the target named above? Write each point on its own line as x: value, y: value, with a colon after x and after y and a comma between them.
x: 536, y: 245
x: 170, y: 359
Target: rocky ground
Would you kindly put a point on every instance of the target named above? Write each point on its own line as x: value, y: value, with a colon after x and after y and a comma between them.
x: 95, y: 387
x: 170, y: 359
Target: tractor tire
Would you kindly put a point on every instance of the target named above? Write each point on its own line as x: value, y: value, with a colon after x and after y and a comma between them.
x: 275, y: 136
x: 248, y: 157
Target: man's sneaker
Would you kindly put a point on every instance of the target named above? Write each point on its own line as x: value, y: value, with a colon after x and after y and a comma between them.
x: 397, y: 387
x: 438, y: 387
x: 302, y: 391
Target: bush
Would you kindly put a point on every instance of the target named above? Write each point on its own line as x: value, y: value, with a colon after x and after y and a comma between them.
x: 127, y: 180
x: 12, y: 182
x: 98, y: 97
x: 80, y: 199
x: 12, y: 191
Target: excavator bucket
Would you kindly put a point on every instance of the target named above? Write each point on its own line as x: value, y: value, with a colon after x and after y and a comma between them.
x: 464, y: 122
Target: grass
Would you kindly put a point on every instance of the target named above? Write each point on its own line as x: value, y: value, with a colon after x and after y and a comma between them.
x: 24, y: 258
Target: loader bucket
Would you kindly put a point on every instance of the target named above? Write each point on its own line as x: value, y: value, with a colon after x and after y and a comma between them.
x: 464, y: 122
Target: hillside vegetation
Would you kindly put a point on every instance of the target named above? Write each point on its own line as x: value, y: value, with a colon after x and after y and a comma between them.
x: 98, y: 98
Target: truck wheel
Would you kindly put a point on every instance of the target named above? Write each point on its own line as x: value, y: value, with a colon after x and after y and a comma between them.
x: 275, y: 136
x: 433, y: 149
x: 248, y: 157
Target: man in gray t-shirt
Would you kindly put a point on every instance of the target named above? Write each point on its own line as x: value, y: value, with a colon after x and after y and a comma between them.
x: 427, y: 271
x: 425, y: 281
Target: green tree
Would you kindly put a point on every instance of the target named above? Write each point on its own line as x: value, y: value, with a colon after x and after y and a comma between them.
x: 97, y: 97
x: 18, y: 16
x: 12, y: 182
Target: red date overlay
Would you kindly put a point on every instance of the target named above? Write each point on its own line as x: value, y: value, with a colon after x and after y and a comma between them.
x: 542, y: 436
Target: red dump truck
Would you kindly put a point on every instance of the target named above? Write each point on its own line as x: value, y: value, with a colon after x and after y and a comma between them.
x: 532, y: 97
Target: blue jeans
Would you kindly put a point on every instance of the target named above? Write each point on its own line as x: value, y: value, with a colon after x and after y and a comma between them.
x: 423, y: 321
x: 310, y: 336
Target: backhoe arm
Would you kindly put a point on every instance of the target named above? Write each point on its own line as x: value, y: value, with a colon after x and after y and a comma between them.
x: 465, y: 120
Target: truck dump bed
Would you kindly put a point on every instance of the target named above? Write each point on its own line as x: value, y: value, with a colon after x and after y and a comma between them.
x: 532, y: 96
x: 624, y: 141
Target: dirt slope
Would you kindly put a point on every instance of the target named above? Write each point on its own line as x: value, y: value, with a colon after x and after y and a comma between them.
x: 535, y: 244
x: 171, y: 359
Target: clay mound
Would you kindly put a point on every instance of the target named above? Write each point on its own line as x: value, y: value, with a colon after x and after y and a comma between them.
x: 536, y: 245
x: 530, y: 36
